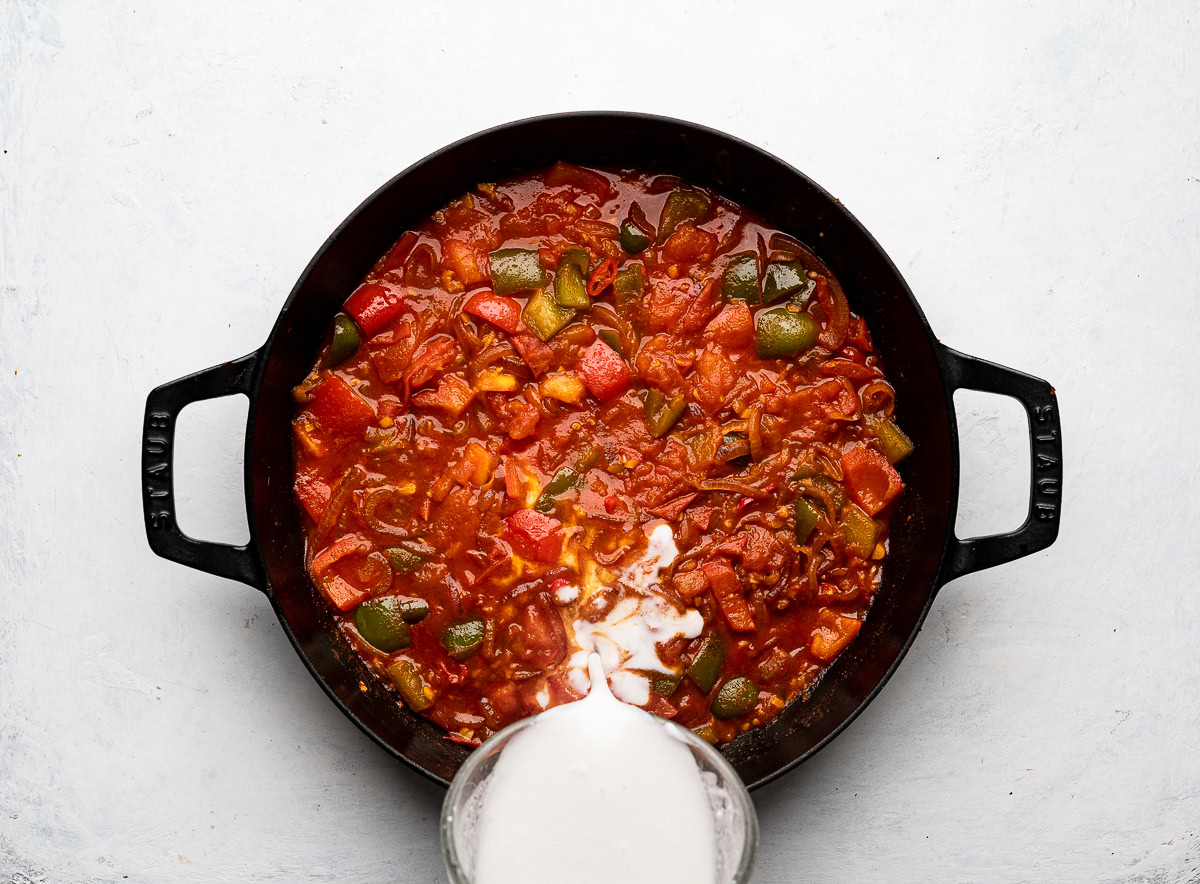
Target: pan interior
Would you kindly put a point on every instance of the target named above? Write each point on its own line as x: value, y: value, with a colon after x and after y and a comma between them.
x: 785, y: 199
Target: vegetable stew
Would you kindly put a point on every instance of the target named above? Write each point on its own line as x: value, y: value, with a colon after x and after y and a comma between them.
x: 595, y: 410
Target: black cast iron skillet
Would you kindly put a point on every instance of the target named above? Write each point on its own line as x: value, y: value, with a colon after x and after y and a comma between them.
x: 925, y: 553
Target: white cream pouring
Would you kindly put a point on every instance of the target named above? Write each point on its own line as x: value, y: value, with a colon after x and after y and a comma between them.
x: 595, y: 792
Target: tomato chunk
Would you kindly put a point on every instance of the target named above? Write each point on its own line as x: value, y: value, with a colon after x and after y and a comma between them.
x: 430, y: 358
x: 727, y: 589
x: 690, y: 584
x: 452, y: 396
x: 537, y: 354
x: 373, y: 305
x: 340, y: 410
x: 604, y: 371
x: 687, y: 244
x: 871, y: 480
x: 535, y: 535
x: 567, y: 175
x: 733, y: 327
x: 515, y: 479
x: 394, y: 261
x: 502, y: 312
x: 537, y: 637
x: 313, y: 494
x: 467, y: 261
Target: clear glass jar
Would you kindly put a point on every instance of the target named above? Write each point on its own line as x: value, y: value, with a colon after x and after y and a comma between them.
x: 734, y: 820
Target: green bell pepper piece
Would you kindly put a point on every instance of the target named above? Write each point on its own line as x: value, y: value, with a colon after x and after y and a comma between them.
x: 578, y: 257
x: 632, y: 238
x: 832, y: 488
x: 784, y: 278
x: 613, y: 340
x: 516, y: 270
x: 346, y: 338
x: 463, y: 639
x: 405, y: 676
x: 544, y: 316
x: 806, y: 518
x: 896, y: 445
x: 859, y: 529
x: 662, y: 414
x: 705, y: 667
x: 628, y: 287
x: 381, y: 622
x: 564, y: 480
x: 405, y: 560
x: 667, y: 684
x: 683, y: 205
x: 706, y: 732
x: 740, y: 282
x: 784, y: 333
x: 570, y: 290
x: 414, y: 610
x: 736, y: 697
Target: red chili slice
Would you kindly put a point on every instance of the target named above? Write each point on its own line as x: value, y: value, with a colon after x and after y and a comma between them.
x: 601, y: 278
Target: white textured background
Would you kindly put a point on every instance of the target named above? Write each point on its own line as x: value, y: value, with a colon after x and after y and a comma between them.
x: 169, y: 168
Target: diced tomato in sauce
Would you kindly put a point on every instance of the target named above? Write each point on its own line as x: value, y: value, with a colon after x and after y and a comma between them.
x: 604, y: 371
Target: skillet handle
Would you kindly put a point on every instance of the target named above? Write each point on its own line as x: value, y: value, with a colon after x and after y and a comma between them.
x: 158, y: 485
x: 964, y: 372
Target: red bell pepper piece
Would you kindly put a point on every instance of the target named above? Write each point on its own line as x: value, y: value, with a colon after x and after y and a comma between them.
x: 871, y: 480
x: 604, y: 371
x: 373, y: 305
x: 727, y: 589
x: 339, y: 549
x: 537, y: 355
x: 339, y: 409
x: 500, y: 311
x: 535, y: 535
x: 342, y: 594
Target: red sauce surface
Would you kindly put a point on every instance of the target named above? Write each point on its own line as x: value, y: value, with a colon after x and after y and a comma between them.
x: 424, y: 455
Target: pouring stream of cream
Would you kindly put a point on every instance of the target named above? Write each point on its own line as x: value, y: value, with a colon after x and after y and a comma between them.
x: 595, y: 792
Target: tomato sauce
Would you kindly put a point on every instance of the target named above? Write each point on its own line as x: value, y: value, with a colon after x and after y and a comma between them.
x: 534, y: 380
